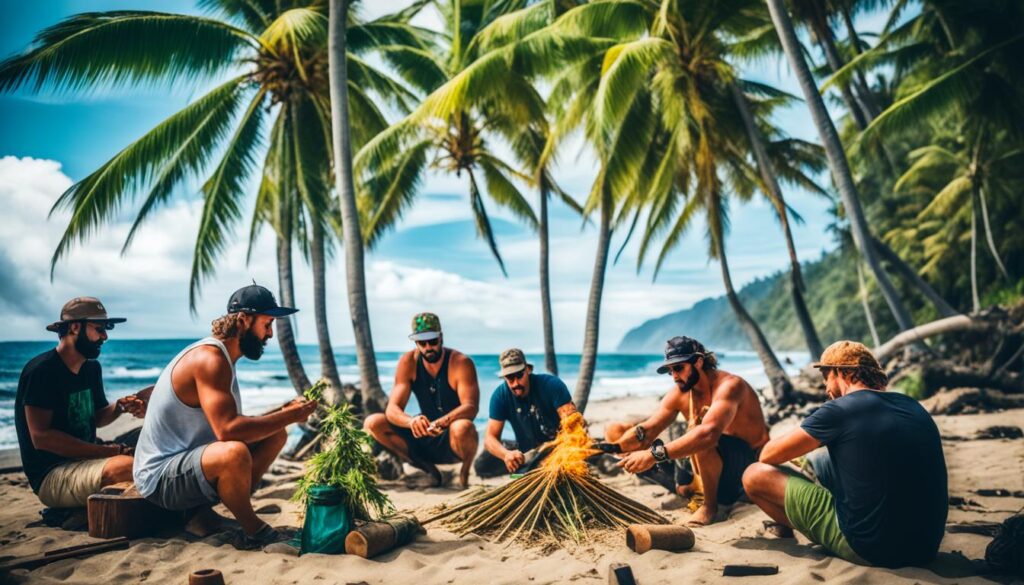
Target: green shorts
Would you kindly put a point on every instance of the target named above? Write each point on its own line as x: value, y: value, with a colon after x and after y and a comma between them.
x: 812, y: 510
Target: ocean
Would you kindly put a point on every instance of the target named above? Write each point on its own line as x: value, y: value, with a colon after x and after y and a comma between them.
x: 130, y: 365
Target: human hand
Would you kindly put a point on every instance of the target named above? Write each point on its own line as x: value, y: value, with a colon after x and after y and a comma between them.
x: 437, y: 427
x: 637, y: 461
x: 513, y: 460
x: 133, y: 405
x: 120, y: 449
x: 300, y: 409
x: 608, y: 447
x: 420, y: 426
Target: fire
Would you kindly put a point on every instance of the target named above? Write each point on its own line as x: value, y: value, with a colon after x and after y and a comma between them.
x: 572, y: 446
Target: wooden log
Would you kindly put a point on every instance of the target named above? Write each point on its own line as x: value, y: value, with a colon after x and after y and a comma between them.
x: 374, y: 538
x: 206, y: 577
x: 749, y: 570
x: 641, y: 538
x: 620, y: 574
x: 922, y: 332
x: 126, y: 514
x: 82, y: 550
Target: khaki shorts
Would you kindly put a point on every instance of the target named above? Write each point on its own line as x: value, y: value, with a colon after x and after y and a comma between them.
x: 70, y: 484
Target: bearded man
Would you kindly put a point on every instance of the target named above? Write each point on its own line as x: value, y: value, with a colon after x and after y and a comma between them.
x: 196, y: 446
x: 448, y: 394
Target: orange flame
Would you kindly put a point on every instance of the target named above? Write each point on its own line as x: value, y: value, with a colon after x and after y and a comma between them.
x: 572, y: 446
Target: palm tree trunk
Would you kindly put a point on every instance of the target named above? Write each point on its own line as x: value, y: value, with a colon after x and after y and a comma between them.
x: 328, y: 366
x: 550, y: 360
x: 975, y: 301
x: 988, y: 234
x: 767, y: 170
x: 588, y: 359
x: 872, y: 110
x: 823, y: 33
x: 837, y: 161
x: 911, y: 277
x: 373, y: 396
x: 863, y: 294
x: 285, y: 333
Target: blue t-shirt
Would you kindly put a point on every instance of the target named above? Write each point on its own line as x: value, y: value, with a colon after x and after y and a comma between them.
x: 534, y: 418
x: 891, y: 497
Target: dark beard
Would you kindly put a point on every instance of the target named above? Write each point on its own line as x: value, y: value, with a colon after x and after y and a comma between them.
x: 436, y: 355
x: 691, y: 380
x: 252, y: 346
x: 89, y: 349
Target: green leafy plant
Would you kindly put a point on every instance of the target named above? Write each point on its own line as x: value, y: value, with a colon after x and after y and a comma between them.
x: 344, y: 461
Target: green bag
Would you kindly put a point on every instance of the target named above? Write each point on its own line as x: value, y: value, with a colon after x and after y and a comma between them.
x: 328, y: 521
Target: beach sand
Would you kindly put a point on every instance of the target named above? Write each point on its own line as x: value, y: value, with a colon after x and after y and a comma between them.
x: 442, y: 557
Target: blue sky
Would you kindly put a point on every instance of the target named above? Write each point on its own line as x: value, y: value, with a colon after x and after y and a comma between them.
x: 433, y: 261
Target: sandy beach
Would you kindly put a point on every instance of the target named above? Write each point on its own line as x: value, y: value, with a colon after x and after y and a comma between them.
x: 442, y: 557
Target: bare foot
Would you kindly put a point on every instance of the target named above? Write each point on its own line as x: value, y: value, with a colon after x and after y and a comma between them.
x: 204, y: 522
x: 464, y: 477
x: 703, y: 516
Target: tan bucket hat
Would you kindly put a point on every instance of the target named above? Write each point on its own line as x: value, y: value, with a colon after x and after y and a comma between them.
x: 84, y: 309
x: 847, y: 354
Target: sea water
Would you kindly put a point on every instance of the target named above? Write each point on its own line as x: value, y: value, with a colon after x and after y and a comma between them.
x: 131, y: 365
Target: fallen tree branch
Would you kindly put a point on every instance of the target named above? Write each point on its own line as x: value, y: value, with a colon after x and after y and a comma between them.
x: 922, y: 332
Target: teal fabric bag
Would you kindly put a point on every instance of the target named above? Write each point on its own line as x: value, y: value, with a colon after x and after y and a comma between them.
x: 328, y: 521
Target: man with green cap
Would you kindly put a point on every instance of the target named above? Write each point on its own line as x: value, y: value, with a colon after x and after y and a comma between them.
x: 59, y: 405
x: 534, y: 404
x: 445, y: 385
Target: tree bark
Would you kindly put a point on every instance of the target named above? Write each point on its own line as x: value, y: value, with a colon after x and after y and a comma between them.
x: 947, y: 325
x: 285, y: 333
x: 822, y: 31
x: 328, y: 366
x: 913, y: 278
x: 975, y: 301
x: 373, y: 396
x: 550, y: 358
x: 837, y: 161
x: 862, y: 288
x: 767, y: 170
x: 872, y: 109
x: 588, y: 358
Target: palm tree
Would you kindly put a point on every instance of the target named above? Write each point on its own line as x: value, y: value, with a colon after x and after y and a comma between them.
x: 274, y: 59
x: 837, y: 161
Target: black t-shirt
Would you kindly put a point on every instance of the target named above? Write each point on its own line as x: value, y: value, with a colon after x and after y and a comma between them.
x: 47, y: 383
x: 891, y: 498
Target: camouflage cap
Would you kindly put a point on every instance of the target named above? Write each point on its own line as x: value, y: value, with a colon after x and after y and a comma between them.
x: 84, y: 309
x: 425, y: 326
x: 847, y: 354
x: 511, y: 361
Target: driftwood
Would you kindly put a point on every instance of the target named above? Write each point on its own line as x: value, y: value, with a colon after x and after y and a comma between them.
x: 968, y: 400
x: 922, y: 332
x: 82, y: 550
x: 749, y: 570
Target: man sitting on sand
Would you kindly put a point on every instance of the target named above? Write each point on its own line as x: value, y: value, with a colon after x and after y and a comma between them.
x: 725, y: 431
x: 535, y: 404
x: 196, y: 446
x: 884, y: 500
x: 446, y: 389
x: 59, y: 405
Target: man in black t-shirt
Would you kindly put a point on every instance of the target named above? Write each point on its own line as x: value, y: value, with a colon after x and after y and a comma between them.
x: 883, y: 499
x: 60, y: 403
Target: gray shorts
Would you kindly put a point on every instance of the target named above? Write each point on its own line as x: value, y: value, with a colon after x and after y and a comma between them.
x: 182, y: 485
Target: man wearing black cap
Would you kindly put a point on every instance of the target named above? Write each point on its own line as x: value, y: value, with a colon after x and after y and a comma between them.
x: 725, y: 430
x: 447, y: 393
x: 59, y: 405
x: 196, y: 446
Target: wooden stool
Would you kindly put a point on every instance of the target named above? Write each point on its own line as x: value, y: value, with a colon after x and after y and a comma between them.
x: 120, y: 510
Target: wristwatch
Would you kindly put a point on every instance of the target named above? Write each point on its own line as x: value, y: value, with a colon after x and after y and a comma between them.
x: 659, y: 452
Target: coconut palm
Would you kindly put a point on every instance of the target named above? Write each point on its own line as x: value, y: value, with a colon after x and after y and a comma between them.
x: 268, y: 62
x: 841, y: 174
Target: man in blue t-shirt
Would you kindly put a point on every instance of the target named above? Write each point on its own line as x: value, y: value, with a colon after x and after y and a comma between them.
x: 534, y: 404
x: 883, y: 499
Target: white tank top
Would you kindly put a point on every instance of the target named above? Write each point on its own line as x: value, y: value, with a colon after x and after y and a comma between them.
x: 172, y: 427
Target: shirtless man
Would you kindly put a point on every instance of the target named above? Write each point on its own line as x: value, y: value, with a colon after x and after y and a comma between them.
x: 725, y: 433
x: 196, y: 446
x: 446, y: 389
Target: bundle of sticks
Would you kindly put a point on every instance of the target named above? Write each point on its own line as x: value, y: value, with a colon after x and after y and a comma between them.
x: 560, y: 498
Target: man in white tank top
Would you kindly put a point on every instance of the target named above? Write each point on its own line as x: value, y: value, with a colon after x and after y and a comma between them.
x: 196, y: 446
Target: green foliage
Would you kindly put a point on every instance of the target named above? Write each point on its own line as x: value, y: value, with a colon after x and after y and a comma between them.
x: 344, y: 461
x: 911, y: 384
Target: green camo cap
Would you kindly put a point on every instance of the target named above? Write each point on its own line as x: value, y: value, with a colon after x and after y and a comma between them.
x: 511, y: 361
x: 425, y: 326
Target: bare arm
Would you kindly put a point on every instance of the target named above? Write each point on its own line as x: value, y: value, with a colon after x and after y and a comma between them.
x: 399, y: 398
x: 213, y: 382
x: 46, y: 438
x: 787, y: 447
x: 108, y: 414
x: 468, y: 389
x: 718, y: 418
x: 565, y: 410
x: 492, y: 438
x: 652, y: 427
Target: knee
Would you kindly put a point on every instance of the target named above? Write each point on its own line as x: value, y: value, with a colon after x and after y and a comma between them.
x: 754, y: 477
x: 375, y: 424
x: 278, y: 440
x: 235, y: 455
x: 463, y: 430
x: 117, y: 469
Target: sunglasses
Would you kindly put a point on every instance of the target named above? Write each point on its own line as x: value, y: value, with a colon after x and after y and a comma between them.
x: 515, y: 376
x: 825, y: 372
x: 429, y: 342
x: 676, y: 368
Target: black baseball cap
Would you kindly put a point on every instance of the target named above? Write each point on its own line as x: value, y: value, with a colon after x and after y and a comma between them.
x: 679, y: 350
x: 257, y: 300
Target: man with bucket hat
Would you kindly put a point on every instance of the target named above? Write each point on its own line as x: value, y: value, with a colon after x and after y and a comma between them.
x: 725, y: 428
x: 534, y: 404
x: 197, y: 448
x: 883, y: 496
x: 447, y: 392
x: 61, y: 402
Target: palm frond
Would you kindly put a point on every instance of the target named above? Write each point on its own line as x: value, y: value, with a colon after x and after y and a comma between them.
x: 483, y: 222
x: 505, y: 193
